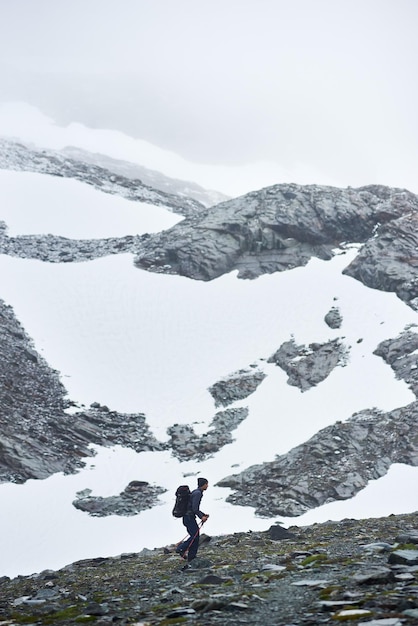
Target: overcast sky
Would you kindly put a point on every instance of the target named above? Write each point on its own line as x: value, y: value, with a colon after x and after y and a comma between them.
x: 327, y: 85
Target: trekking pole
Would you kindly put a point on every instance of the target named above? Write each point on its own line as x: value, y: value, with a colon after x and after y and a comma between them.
x: 181, y: 540
x: 194, y: 537
x: 185, y: 536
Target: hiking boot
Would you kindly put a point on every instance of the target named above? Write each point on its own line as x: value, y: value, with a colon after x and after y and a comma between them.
x: 180, y: 553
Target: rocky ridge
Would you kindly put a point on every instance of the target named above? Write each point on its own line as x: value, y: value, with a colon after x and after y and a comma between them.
x: 306, y: 366
x: 18, y: 157
x: 151, y: 178
x: 360, y: 572
x: 284, y: 226
x: 274, y: 229
x: 56, y: 249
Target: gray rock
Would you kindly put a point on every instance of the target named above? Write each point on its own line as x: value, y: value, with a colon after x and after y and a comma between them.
x: 212, y: 579
x: 181, y: 611
x: 388, y: 261
x: 400, y: 354
x: 405, y: 577
x: 404, y: 557
x: 185, y: 444
x: 333, y: 605
x: 272, y: 567
x: 94, y: 608
x: 307, y: 366
x: 380, y: 575
x: 411, y: 613
x: 334, y: 464
x: 236, y: 386
x: 274, y: 229
x: 379, y: 546
x: 408, y: 537
x: 334, y: 318
x: 136, y: 497
x: 277, y: 533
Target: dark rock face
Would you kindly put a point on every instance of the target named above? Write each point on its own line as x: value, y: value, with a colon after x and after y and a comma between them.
x: 339, y: 460
x: 31, y: 401
x: 275, y: 229
x: 389, y: 260
x: 307, y: 366
x: 187, y: 445
x: 38, y: 437
x: 334, y: 464
x: 136, y: 497
x: 399, y: 354
x: 15, y: 156
x: 236, y: 386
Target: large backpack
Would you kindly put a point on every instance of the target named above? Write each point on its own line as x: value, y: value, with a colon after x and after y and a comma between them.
x: 182, y: 501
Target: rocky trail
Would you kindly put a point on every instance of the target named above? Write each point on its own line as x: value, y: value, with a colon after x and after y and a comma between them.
x: 359, y: 572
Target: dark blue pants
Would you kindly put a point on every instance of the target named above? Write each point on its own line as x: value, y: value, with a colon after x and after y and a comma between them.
x: 192, y: 542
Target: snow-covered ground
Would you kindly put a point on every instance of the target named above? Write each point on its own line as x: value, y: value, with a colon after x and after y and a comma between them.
x: 33, y: 204
x: 143, y: 342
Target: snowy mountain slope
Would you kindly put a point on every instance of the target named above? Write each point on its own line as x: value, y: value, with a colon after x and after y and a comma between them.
x: 117, y: 349
x: 15, y: 156
x: 149, y: 177
x: 155, y: 344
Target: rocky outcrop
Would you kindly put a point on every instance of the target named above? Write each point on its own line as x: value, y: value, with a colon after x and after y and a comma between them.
x: 136, y: 497
x: 274, y: 229
x: 334, y: 464
x: 401, y: 354
x: 151, y: 178
x: 389, y: 260
x: 16, y: 156
x: 237, y: 386
x: 56, y: 249
x: 334, y: 318
x: 39, y: 437
x: 186, y: 445
x: 339, y: 460
x: 306, y: 366
x: 43, y: 432
x: 354, y: 571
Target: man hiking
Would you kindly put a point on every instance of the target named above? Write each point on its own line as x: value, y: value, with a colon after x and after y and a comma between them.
x: 188, y: 548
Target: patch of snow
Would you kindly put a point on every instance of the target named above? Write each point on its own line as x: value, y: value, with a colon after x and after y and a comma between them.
x: 40, y: 204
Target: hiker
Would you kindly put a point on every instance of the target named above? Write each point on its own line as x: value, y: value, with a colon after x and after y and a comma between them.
x: 190, y: 546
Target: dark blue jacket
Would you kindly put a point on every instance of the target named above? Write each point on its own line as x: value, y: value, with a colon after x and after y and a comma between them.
x: 194, y: 503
